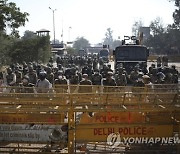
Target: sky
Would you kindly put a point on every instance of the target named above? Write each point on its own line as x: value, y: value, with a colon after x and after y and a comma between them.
x: 91, y: 18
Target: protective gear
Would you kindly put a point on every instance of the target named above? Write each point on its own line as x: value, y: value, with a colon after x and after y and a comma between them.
x: 42, y: 75
x: 9, y: 70
x: 26, y: 78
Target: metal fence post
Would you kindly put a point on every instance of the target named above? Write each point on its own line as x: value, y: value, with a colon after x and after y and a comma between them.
x: 71, y: 127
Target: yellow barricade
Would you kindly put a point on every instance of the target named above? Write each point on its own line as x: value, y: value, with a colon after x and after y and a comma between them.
x: 69, y: 114
x: 100, y: 132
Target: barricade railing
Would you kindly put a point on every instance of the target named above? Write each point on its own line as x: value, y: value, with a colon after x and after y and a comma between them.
x: 58, y: 118
x: 58, y: 88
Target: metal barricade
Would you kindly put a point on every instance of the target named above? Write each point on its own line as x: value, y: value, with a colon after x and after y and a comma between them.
x: 74, y: 122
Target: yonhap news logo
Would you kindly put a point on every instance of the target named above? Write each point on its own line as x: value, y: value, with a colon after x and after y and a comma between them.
x: 114, y: 140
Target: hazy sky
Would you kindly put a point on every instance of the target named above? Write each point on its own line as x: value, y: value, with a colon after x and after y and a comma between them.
x: 91, y: 18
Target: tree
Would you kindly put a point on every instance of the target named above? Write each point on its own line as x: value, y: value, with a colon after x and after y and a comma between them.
x: 166, y: 40
x: 43, y: 46
x: 176, y: 14
x: 108, y: 40
x: 80, y: 43
x: 116, y: 43
x: 11, y: 17
x: 32, y: 49
x: 156, y: 26
x: 136, y: 26
x: 5, y: 45
x: 28, y: 35
x: 157, y: 41
x: 174, y: 29
x: 71, y: 51
x: 173, y: 39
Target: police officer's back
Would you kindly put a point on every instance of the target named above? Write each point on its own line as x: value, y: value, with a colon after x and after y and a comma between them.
x: 109, y: 81
x: 96, y: 78
x: 85, y: 81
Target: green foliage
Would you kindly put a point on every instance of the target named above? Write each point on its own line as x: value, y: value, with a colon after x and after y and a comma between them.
x: 5, y: 44
x: 29, y: 48
x: 157, y: 26
x: 158, y: 38
x: 173, y: 39
x: 176, y: 14
x: 28, y: 35
x: 32, y: 49
x: 165, y: 40
x: 158, y: 43
x: 80, y: 43
x: 11, y: 17
x: 43, y: 46
x: 71, y: 51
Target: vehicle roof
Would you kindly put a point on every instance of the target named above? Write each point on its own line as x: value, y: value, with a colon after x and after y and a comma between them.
x: 131, y: 46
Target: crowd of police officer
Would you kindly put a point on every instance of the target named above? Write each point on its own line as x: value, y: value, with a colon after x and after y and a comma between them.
x: 85, y: 70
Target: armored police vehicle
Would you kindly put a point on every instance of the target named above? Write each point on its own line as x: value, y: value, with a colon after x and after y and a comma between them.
x: 130, y: 54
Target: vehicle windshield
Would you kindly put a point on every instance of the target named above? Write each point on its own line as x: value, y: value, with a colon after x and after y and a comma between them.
x: 131, y: 53
x: 104, y: 53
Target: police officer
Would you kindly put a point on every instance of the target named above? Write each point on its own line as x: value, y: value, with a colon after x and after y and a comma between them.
x: 159, y: 61
x: 73, y: 82
x: 2, y: 82
x: 85, y: 69
x: 160, y: 78
x: 90, y: 71
x: 134, y: 75
x: 50, y: 75
x: 109, y: 81
x: 43, y: 85
x: 58, y: 61
x: 96, y: 78
x: 10, y: 77
x: 146, y: 80
x: 61, y: 84
x: 18, y: 75
x: 175, y: 73
x: 164, y: 61
x: 25, y: 86
x: 121, y: 79
x: 153, y: 75
x: 95, y: 63
x: 104, y: 71
x: 32, y: 75
x: 85, y: 81
x: 139, y: 82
